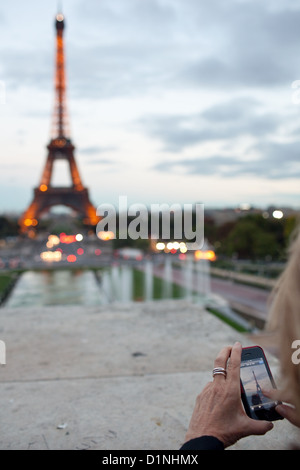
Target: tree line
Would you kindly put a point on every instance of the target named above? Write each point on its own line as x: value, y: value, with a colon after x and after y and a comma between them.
x: 252, y: 237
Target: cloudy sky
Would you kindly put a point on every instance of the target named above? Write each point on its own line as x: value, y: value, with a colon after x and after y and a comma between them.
x: 170, y: 100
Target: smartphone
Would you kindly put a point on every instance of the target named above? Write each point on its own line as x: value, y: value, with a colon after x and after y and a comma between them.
x: 255, y: 376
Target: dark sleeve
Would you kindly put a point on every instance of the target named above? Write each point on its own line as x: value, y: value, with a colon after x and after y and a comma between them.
x: 203, y: 443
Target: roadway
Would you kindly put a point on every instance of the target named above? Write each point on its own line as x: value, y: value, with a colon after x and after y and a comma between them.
x: 250, y: 296
x: 250, y: 301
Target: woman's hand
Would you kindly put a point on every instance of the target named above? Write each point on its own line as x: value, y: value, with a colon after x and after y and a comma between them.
x: 218, y: 410
x: 285, y: 410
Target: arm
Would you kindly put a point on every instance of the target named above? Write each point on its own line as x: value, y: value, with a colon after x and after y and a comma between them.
x: 218, y: 411
x: 203, y: 443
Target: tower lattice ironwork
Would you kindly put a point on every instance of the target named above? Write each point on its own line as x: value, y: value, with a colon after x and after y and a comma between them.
x: 60, y: 148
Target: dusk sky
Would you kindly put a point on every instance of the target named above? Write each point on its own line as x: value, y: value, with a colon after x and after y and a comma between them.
x: 170, y: 101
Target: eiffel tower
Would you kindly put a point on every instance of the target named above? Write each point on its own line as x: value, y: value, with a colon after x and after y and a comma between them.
x: 60, y: 148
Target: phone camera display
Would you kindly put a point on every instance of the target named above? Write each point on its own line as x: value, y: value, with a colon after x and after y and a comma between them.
x: 255, y: 378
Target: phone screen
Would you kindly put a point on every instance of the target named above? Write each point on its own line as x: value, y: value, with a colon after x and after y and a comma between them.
x: 255, y: 377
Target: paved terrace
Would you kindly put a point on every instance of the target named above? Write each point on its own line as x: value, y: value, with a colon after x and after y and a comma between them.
x: 117, y: 377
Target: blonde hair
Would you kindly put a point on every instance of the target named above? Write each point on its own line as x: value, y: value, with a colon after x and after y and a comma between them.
x: 284, y: 319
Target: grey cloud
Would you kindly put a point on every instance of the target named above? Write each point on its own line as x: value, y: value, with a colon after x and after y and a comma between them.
x: 96, y: 149
x: 101, y: 161
x: 231, y: 110
x: 2, y: 18
x: 205, y: 166
x: 280, y: 155
x: 245, y: 71
x: 276, y: 161
x: 227, y: 121
x: 183, y: 44
x: 106, y: 165
x: 134, y: 46
x: 121, y: 69
x: 223, y: 121
x: 255, y: 45
x: 17, y: 73
x: 126, y: 19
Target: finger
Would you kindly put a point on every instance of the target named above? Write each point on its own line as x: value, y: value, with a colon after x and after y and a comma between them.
x: 272, y: 393
x: 278, y: 395
x: 235, y: 364
x: 289, y: 413
x: 222, y: 357
x: 221, y: 361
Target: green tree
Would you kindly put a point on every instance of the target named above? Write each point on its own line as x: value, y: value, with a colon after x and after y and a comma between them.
x: 253, y: 237
x: 8, y: 227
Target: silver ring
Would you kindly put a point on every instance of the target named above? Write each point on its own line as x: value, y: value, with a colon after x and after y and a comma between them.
x: 219, y: 371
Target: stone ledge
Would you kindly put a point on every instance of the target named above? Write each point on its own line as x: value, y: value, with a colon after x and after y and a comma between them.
x: 117, y: 377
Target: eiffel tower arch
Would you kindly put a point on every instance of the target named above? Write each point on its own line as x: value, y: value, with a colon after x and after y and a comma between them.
x: 60, y: 147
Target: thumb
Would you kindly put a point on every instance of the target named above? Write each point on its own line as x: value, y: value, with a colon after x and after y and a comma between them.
x: 259, y: 428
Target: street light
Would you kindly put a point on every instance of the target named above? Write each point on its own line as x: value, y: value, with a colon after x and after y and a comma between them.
x: 277, y: 214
